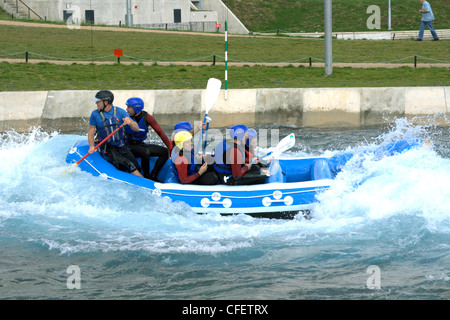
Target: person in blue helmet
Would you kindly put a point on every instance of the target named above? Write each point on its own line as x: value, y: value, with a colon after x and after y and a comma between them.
x: 136, y: 139
x: 250, y: 153
x: 180, y: 126
x: 183, y: 126
x: 229, y: 160
x: 250, y: 144
x: 103, y: 121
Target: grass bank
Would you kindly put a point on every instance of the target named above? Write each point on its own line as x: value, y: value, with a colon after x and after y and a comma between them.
x: 348, y: 15
x: 307, y: 15
x: 66, y: 44
x: 45, y: 76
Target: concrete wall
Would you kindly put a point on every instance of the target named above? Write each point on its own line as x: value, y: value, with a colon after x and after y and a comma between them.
x: 109, y: 14
x: 157, y: 11
x: 145, y: 13
x: 300, y: 107
x: 112, y: 11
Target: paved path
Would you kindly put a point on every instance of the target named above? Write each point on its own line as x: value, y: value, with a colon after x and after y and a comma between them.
x: 240, y: 64
x: 196, y: 63
x: 444, y: 34
x: 103, y: 28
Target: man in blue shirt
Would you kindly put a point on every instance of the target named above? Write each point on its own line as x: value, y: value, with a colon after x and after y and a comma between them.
x: 427, y: 18
x: 104, y: 121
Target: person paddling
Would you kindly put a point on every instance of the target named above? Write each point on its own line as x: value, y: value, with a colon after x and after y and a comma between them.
x: 104, y: 121
x: 229, y: 160
x: 136, y: 139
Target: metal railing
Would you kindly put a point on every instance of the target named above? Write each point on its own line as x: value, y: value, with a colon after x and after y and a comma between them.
x: 29, y: 9
x: 413, y: 59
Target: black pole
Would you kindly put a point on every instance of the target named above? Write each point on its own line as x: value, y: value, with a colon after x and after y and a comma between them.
x: 415, y: 61
x: 214, y: 60
x: 310, y: 62
x: 26, y: 56
x: 118, y: 60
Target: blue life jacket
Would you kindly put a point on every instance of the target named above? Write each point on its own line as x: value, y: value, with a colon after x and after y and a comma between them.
x: 221, y: 156
x: 193, y: 166
x: 110, y: 125
x: 141, y: 135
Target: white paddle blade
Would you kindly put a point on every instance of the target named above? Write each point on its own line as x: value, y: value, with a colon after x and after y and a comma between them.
x: 285, y: 144
x: 212, y: 92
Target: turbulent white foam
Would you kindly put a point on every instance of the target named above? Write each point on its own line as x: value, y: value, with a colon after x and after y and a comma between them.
x: 371, y: 187
x: 81, y: 213
x: 414, y: 182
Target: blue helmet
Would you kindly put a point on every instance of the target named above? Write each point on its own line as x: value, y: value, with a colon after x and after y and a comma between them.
x: 238, y: 131
x: 183, y: 126
x: 136, y: 103
x: 251, y: 133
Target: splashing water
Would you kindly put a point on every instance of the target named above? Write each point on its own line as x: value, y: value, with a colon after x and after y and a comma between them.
x: 390, y: 211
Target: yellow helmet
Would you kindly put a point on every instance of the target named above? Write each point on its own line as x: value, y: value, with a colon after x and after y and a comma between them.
x: 181, y: 137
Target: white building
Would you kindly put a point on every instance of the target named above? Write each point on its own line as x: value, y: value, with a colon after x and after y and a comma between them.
x: 198, y: 15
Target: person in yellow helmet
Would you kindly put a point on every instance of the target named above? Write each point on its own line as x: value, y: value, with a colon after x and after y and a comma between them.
x: 187, y: 166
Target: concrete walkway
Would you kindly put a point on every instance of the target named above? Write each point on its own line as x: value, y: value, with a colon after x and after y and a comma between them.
x: 443, y: 34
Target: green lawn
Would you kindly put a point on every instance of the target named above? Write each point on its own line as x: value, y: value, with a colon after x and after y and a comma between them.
x: 86, y: 44
x: 66, y: 44
x: 45, y: 76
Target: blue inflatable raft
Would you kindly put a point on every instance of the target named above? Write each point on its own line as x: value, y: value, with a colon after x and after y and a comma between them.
x: 290, y: 189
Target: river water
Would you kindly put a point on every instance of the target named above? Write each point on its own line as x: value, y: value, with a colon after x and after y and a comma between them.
x: 381, y: 232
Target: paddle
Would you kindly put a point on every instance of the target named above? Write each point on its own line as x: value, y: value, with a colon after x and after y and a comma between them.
x: 98, y: 145
x: 211, y: 94
x: 208, y: 119
x: 285, y: 144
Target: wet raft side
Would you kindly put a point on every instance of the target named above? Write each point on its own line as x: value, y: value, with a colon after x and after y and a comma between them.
x: 291, y: 188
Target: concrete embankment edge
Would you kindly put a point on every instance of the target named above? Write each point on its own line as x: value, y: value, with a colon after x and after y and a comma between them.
x: 300, y: 107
